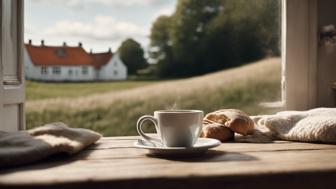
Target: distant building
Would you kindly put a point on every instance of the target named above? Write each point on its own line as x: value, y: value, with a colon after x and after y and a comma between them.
x: 68, y: 63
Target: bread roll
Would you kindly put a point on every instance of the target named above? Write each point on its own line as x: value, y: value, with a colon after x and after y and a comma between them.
x: 238, y: 121
x: 217, y: 131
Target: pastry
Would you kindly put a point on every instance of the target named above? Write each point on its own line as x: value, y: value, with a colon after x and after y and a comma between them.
x: 238, y: 121
x: 217, y: 131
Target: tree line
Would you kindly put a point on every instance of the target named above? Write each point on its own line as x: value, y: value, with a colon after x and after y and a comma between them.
x: 203, y: 36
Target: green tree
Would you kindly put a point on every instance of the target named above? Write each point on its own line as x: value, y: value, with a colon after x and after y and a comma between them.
x: 160, y: 51
x: 234, y: 36
x: 269, y: 22
x: 189, y: 25
x: 202, y: 36
x: 132, y: 54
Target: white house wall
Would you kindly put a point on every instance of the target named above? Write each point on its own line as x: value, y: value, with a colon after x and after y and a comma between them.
x: 64, y: 75
x: 28, y: 66
x: 113, y: 70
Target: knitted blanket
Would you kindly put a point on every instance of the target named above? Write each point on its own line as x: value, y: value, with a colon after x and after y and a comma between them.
x: 316, y: 125
x: 24, y: 147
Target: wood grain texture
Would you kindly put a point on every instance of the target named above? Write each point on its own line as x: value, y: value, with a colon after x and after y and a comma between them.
x: 115, y: 163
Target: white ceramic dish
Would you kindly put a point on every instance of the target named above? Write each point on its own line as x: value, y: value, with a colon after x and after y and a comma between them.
x: 201, y: 146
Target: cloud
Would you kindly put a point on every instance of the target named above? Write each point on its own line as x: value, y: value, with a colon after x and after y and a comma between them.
x: 127, y: 3
x: 29, y: 30
x: 101, y: 28
x: 95, y: 31
x: 165, y: 11
x: 79, y: 4
x: 73, y: 4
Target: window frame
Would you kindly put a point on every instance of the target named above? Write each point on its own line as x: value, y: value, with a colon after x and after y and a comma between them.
x: 299, y: 54
x: 85, y: 70
x: 56, y: 70
x: 115, y: 73
x: 44, y: 70
x: 12, y: 88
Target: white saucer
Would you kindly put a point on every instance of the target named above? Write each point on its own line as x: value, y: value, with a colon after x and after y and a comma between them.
x: 201, y: 146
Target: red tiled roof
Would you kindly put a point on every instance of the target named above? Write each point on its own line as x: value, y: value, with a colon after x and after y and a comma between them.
x: 65, y: 56
x: 99, y: 59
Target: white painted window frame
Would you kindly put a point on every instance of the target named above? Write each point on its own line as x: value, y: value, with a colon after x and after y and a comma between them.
x: 12, y: 96
x: 299, y: 54
x: 85, y: 70
x: 44, y: 70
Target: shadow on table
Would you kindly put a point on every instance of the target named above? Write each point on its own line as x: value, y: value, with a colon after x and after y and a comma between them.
x: 54, y: 160
x: 210, y: 156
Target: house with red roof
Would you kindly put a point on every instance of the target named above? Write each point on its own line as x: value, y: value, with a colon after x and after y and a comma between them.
x: 71, y: 63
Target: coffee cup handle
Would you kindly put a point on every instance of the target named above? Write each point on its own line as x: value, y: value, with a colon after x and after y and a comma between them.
x: 140, y: 121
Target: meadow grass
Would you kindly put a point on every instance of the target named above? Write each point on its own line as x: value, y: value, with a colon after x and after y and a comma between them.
x: 42, y: 90
x: 115, y: 112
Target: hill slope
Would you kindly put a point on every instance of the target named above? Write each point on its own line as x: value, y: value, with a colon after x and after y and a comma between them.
x: 115, y: 112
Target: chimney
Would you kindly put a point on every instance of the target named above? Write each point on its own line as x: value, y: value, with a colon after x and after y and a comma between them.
x: 64, y: 44
x: 109, y: 50
x: 42, y: 42
x: 80, y: 44
x: 90, y: 51
x: 29, y: 41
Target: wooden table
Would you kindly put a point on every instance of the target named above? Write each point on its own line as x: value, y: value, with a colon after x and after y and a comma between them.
x: 115, y: 163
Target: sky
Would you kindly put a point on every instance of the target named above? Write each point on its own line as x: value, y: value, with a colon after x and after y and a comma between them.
x: 98, y: 24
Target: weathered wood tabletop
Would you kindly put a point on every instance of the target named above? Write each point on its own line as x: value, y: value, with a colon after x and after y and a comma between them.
x: 115, y: 163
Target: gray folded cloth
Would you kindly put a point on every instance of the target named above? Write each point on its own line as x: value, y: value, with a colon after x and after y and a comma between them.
x: 24, y: 147
x: 315, y: 125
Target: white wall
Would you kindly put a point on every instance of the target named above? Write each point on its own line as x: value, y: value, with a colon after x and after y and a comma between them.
x: 34, y: 72
x: 30, y: 71
x: 115, y: 69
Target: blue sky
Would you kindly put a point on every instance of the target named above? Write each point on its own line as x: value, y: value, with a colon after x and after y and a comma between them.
x: 98, y: 24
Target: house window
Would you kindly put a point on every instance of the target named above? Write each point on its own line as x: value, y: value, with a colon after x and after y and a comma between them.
x: 115, y: 72
x: 84, y: 70
x: 70, y: 72
x: 44, y: 70
x: 56, y: 70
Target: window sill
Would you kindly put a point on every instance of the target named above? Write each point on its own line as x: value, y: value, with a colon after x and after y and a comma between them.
x: 114, y: 162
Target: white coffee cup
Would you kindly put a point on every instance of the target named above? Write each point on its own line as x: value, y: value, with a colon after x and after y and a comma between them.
x: 176, y: 128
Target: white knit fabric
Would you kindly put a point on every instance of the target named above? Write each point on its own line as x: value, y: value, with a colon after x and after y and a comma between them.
x: 316, y: 125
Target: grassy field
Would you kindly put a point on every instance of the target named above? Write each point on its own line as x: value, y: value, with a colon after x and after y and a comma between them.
x: 42, y: 90
x: 114, y: 111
